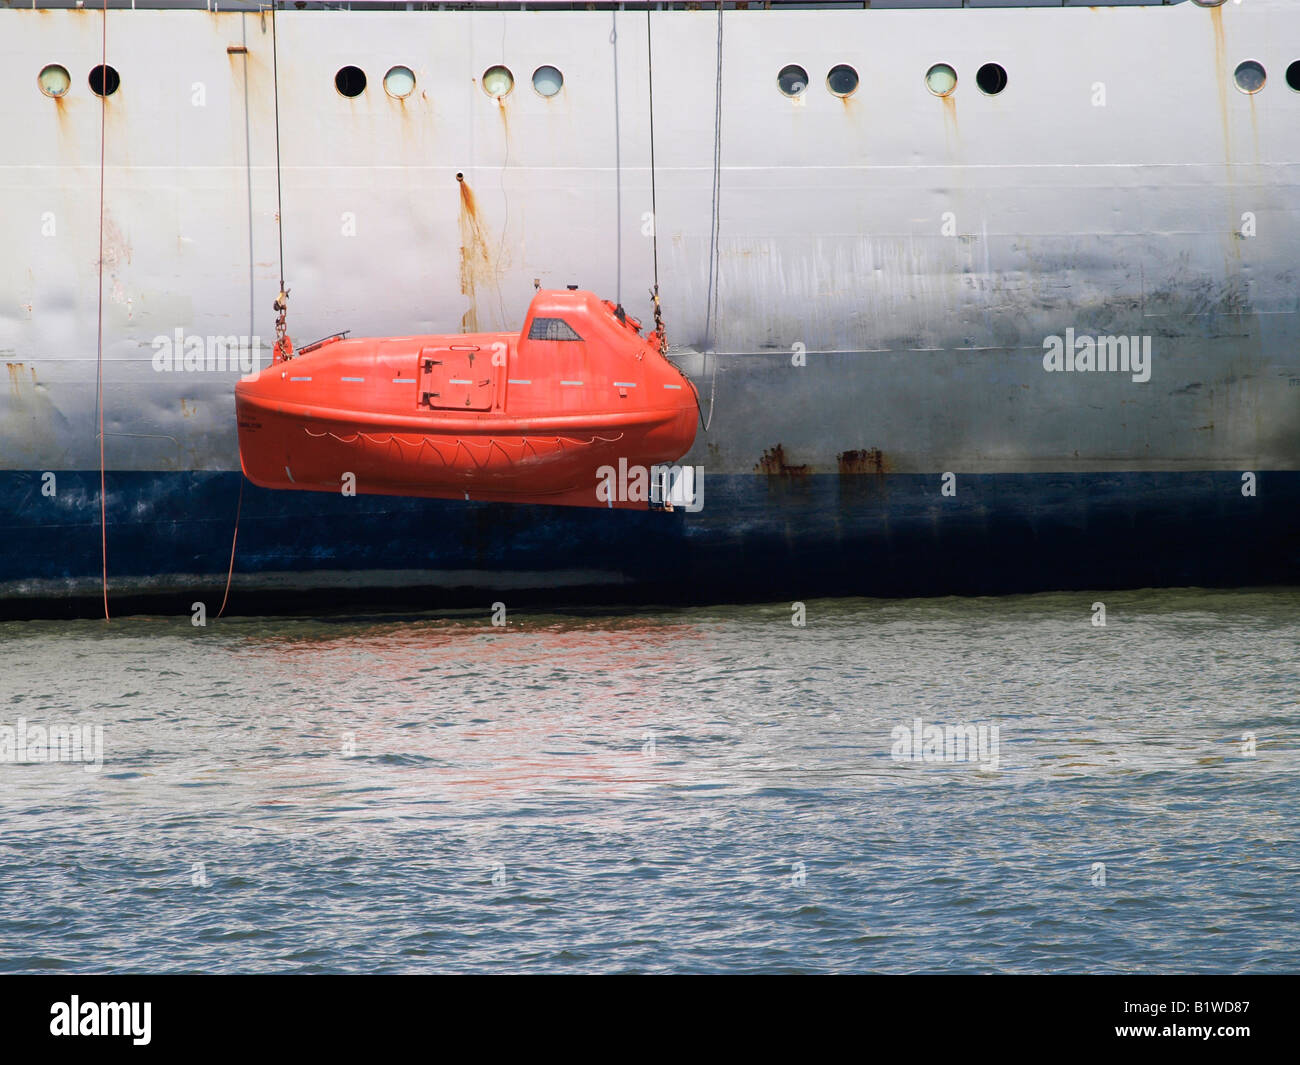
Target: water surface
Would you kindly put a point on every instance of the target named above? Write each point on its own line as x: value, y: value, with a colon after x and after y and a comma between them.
x: 710, y: 789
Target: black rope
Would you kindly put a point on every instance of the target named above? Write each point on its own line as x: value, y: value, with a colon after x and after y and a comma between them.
x: 654, y: 207
x: 715, y: 232
x: 710, y: 309
x: 618, y: 165
x: 279, y: 199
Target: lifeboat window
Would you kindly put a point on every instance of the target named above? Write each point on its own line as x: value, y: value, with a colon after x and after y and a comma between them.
x: 551, y: 329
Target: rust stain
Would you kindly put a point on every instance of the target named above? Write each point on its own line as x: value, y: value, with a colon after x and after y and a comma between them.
x: 773, y: 464
x: 950, y: 112
x: 505, y: 119
x: 869, y: 460
x: 1221, y: 78
x: 477, y: 267
x: 62, y: 116
x: 15, y: 376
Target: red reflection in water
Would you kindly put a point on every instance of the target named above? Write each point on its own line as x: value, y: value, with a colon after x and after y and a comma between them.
x: 480, y: 712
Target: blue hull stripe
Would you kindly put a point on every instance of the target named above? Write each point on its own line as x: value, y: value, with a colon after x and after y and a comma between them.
x: 757, y: 537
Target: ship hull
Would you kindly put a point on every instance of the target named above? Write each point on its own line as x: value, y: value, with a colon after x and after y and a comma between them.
x: 169, y: 540
x: 882, y: 278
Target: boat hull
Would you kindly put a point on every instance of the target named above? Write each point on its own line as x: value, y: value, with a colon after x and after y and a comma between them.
x: 764, y: 537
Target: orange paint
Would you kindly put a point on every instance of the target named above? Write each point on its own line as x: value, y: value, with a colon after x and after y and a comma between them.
x: 486, y: 416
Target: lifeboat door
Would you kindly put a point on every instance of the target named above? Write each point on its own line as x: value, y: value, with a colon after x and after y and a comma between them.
x: 459, y: 377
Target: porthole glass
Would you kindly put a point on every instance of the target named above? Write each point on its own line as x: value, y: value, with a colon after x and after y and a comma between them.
x: 350, y: 81
x: 498, y: 81
x: 842, y: 80
x: 1293, y: 75
x: 399, y: 83
x: 1250, y: 77
x: 991, y: 79
x: 54, y: 80
x: 941, y: 79
x: 547, y: 81
x: 792, y: 80
x: 104, y: 81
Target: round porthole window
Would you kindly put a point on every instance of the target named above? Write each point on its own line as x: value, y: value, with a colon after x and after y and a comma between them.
x: 1250, y: 77
x: 941, y: 79
x: 350, y: 81
x: 792, y: 80
x: 54, y: 80
x: 104, y: 81
x: 399, y: 83
x: 991, y: 78
x: 1293, y: 75
x: 842, y: 80
x: 547, y: 81
x: 497, y: 82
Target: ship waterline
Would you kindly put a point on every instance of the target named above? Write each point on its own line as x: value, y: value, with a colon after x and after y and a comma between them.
x: 878, y: 300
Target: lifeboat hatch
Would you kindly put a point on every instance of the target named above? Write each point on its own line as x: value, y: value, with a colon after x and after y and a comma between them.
x: 456, y: 378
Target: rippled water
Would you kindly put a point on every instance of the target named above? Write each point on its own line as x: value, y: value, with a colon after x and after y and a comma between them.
x: 690, y: 790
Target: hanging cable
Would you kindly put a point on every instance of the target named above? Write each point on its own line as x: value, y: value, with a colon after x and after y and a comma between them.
x: 230, y: 573
x: 715, y: 227
x: 654, y: 205
x: 99, y: 342
x: 279, y: 197
x: 618, y: 167
x: 283, y: 346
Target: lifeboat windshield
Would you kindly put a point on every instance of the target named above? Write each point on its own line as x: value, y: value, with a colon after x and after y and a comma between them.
x: 552, y: 329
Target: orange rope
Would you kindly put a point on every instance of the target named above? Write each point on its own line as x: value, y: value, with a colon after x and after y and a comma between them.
x: 99, y: 373
x: 233, y: 540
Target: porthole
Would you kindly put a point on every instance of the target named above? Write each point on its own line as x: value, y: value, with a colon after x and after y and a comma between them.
x: 399, y: 83
x: 547, y: 81
x: 497, y: 82
x: 104, y: 81
x: 792, y: 80
x: 941, y: 79
x: 1250, y: 77
x: 991, y: 78
x: 1293, y: 75
x: 54, y: 80
x: 842, y: 80
x: 350, y: 81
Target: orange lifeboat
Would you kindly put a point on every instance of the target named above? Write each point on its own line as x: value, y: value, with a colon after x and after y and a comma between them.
x: 527, y: 418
